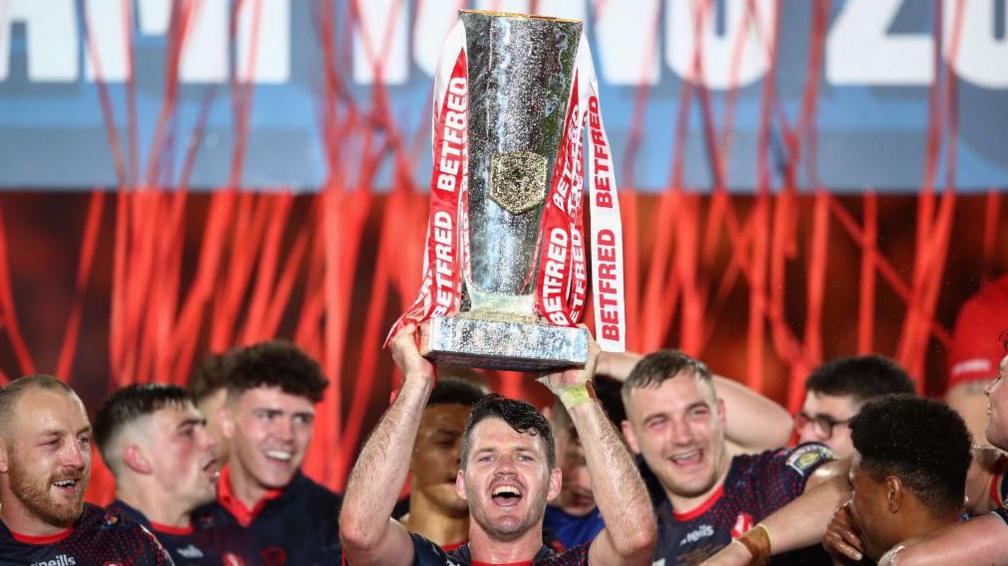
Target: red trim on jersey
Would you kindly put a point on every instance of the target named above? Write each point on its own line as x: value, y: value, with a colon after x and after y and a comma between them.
x: 171, y: 530
x: 1000, y: 467
x: 453, y: 546
x: 47, y: 539
x: 700, y: 510
x: 229, y: 501
x: 523, y: 563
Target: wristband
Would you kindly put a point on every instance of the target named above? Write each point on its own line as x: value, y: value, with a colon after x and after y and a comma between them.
x: 757, y: 542
x: 573, y: 395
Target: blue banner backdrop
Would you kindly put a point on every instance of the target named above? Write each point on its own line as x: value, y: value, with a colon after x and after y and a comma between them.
x: 872, y: 112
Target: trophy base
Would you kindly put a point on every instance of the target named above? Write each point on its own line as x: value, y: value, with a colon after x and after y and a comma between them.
x: 503, y: 344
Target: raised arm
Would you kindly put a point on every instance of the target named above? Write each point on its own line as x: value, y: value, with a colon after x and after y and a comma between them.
x: 630, y: 531
x: 982, y: 540
x: 798, y: 524
x: 368, y: 532
x: 753, y: 423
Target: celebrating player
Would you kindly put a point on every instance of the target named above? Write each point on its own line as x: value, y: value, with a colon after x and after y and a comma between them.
x: 508, y: 472
x: 267, y: 420
x: 156, y: 444
x: 45, y: 465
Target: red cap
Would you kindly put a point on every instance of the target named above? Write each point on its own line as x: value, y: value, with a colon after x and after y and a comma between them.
x: 978, y: 340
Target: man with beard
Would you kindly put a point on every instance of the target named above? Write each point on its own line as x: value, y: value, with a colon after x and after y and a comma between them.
x: 435, y: 510
x: 676, y: 422
x: 267, y: 421
x: 45, y: 465
x: 157, y: 446
x: 507, y: 473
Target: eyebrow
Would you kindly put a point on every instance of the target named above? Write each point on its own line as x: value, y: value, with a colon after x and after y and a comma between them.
x: 191, y: 422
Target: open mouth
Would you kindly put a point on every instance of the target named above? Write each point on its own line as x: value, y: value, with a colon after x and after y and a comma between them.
x: 506, y: 495
x: 68, y: 486
x: 687, y: 459
x: 282, y: 456
x: 211, y: 468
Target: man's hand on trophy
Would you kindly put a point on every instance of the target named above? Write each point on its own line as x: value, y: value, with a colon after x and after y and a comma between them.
x: 407, y: 355
x: 573, y: 385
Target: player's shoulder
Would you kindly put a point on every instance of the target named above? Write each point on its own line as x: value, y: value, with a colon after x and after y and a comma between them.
x: 112, y: 530
x: 802, y: 460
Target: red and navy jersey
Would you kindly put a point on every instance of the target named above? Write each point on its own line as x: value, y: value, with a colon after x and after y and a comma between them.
x: 756, y: 486
x: 296, y: 526
x: 427, y: 553
x: 99, y: 538
x: 200, y: 544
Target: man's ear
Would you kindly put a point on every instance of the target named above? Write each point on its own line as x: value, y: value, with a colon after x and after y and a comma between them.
x: 628, y: 434
x: 722, y: 415
x: 894, y: 493
x: 134, y: 458
x: 3, y: 457
x: 555, y: 483
x: 460, y: 485
x: 225, y: 416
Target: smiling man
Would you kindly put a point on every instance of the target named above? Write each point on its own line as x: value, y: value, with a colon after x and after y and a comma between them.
x: 45, y: 466
x: 267, y: 421
x: 507, y: 474
x: 155, y: 442
x: 676, y: 422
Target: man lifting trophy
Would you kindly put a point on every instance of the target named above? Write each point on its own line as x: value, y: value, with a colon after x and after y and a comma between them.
x: 505, y: 266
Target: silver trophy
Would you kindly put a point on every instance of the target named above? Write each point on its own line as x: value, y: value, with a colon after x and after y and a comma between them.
x: 520, y: 71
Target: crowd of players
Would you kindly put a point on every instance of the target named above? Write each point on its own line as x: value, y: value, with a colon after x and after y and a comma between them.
x: 642, y: 460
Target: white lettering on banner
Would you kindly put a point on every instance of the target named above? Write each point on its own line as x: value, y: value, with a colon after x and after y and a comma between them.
x: 609, y: 293
x: 54, y: 44
x: 718, y: 48
x: 553, y: 277
x: 52, y: 38
x: 443, y: 249
x: 580, y: 272
x: 859, y: 49
x: 450, y: 159
x: 374, y: 49
x: 982, y: 59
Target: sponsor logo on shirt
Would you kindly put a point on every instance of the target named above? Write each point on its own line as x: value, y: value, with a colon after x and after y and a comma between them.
x: 743, y: 523
x: 703, y: 531
x: 808, y: 456
x: 190, y: 552
x: 61, y: 560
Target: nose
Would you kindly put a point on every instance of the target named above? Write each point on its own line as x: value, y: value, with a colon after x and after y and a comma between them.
x: 76, y: 456
x: 205, y: 439
x: 681, y: 433
x: 283, y: 428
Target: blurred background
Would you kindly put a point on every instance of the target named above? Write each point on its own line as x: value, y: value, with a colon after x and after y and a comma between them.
x: 799, y: 180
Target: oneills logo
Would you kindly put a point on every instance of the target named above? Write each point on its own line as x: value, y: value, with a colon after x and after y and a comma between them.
x: 59, y: 560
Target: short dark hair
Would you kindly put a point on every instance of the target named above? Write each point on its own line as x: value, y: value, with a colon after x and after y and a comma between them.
x: 519, y: 415
x: 129, y: 404
x: 921, y: 441
x: 276, y: 363
x: 657, y: 367
x: 210, y: 376
x: 455, y: 391
x: 863, y: 377
x: 12, y: 392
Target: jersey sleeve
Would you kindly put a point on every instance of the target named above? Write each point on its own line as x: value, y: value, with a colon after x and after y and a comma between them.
x: 150, y: 553
x: 426, y: 553
x: 784, y: 472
